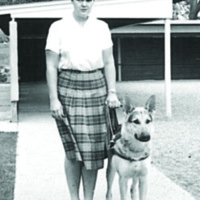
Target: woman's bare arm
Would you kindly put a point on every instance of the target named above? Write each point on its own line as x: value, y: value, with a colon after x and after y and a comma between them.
x: 52, y: 60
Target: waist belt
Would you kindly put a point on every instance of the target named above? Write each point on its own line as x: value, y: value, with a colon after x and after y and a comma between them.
x: 79, y: 71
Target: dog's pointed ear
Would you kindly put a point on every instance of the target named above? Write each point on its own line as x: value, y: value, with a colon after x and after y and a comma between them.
x: 127, y: 106
x: 151, y: 104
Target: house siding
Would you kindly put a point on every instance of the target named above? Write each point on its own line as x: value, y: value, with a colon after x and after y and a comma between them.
x: 142, y: 57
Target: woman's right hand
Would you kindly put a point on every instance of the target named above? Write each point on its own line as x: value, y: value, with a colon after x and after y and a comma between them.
x: 56, y: 109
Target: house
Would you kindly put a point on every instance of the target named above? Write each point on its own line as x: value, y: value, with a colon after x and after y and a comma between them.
x: 142, y: 46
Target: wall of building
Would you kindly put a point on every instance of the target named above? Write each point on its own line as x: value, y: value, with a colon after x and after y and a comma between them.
x: 142, y: 57
x: 31, y: 44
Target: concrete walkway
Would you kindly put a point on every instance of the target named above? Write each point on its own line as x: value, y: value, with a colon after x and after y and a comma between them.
x: 40, y: 163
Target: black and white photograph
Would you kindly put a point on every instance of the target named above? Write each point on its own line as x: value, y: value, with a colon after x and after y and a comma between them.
x: 99, y: 99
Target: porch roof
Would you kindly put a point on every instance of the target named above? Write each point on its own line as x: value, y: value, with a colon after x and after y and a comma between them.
x: 102, y: 9
x: 178, y: 27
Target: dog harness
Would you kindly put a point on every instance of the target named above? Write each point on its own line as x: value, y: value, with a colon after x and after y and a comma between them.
x: 116, y: 135
x: 114, y: 152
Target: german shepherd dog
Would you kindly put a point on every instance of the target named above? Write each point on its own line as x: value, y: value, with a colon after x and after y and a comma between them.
x: 131, y: 152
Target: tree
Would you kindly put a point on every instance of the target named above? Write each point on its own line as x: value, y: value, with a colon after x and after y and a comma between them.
x: 194, y: 7
x: 3, y: 37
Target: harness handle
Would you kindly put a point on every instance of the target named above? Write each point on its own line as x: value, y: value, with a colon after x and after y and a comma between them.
x: 113, y: 125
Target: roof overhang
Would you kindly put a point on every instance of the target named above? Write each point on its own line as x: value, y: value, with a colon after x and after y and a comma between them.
x: 178, y: 27
x: 102, y: 9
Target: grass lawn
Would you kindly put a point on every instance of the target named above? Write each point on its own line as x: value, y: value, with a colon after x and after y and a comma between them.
x: 8, y: 143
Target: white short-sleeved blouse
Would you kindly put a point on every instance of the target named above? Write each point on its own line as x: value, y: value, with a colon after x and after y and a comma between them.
x: 80, y: 48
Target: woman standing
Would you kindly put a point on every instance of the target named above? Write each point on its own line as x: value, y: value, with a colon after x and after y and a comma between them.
x: 81, y: 79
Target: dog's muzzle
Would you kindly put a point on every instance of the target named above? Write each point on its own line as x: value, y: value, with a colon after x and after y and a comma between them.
x: 142, y: 138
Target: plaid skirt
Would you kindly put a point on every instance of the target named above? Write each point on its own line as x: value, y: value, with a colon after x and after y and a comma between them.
x: 83, y: 129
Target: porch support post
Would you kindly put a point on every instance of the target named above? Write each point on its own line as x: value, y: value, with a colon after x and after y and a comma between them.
x: 168, y: 68
x: 119, y: 60
x: 14, y: 93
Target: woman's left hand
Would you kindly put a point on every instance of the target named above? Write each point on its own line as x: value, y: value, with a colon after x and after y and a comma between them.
x: 112, y: 101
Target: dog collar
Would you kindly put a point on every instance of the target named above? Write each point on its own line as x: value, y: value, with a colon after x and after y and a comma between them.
x: 127, y: 158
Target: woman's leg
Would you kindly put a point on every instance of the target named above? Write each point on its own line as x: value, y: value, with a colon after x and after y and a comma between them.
x: 89, y: 182
x: 73, y: 174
